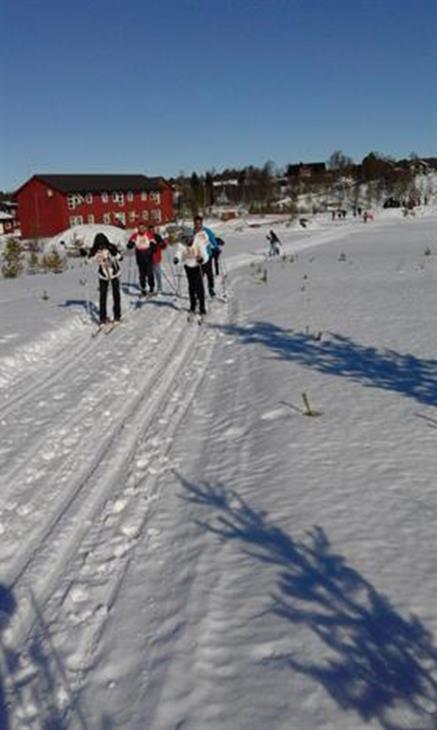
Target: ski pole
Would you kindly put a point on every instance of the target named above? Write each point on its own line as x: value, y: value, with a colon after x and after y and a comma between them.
x: 169, y: 282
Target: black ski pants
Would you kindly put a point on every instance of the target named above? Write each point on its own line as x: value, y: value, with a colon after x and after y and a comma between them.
x: 207, y: 270
x: 195, y: 288
x: 103, y: 289
x: 215, y: 258
x: 145, y: 270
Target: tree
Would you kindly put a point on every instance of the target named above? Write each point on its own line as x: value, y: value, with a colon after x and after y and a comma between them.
x: 197, y: 194
x: 54, y: 262
x: 12, y: 259
x: 33, y: 262
x: 339, y: 161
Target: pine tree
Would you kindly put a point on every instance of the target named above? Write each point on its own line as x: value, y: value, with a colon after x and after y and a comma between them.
x: 33, y: 263
x: 12, y: 259
x: 54, y: 262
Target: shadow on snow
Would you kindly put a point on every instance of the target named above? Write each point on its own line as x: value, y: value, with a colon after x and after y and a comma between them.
x: 339, y: 355
x: 372, y: 660
x: 45, y: 694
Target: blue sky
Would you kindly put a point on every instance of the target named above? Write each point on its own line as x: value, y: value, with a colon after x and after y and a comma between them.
x: 163, y: 86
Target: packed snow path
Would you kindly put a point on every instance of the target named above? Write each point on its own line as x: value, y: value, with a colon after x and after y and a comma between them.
x: 80, y: 475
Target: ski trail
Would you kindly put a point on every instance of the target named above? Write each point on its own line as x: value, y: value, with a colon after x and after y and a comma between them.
x: 80, y: 526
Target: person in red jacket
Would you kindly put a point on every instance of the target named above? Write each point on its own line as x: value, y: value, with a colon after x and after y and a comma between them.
x: 144, y: 243
x: 160, y: 245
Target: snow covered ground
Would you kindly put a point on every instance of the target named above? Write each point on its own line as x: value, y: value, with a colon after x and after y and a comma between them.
x: 184, y: 544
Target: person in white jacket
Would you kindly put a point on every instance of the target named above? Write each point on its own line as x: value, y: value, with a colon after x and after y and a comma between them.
x: 192, y: 254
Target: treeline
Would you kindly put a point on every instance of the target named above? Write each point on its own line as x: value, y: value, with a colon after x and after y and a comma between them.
x: 261, y: 189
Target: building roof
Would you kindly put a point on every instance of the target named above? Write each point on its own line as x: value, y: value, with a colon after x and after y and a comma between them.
x: 319, y: 166
x: 100, y: 183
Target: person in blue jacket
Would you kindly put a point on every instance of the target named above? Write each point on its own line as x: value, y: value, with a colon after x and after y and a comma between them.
x: 212, y: 246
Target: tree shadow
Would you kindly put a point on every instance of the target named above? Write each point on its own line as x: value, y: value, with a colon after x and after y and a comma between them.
x: 8, y: 657
x: 37, y: 679
x: 376, y: 368
x: 372, y: 660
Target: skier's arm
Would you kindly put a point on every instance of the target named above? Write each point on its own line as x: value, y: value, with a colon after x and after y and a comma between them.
x: 211, y: 236
x: 179, y: 256
x: 115, y: 252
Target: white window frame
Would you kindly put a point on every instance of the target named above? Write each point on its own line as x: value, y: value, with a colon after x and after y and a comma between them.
x: 89, y: 198
x: 130, y: 196
x: 156, y: 197
x: 144, y: 195
x: 107, y: 219
x: 118, y: 198
x: 105, y: 197
x: 76, y: 220
x: 71, y: 201
x: 90, y: 219
x: 144, y: 215
x: 156, y: 215
x: 132, y: 216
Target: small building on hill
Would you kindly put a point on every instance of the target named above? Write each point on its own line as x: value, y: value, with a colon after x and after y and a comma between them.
x: 8, y: 217
x: 306, y: 171
x: 48, y: 204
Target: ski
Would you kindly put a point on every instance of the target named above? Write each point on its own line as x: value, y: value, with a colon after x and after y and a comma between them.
x: 105, y: 328
x: 193, y: 317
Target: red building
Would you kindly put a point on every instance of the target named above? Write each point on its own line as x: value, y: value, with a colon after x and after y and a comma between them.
x: 49, y: 204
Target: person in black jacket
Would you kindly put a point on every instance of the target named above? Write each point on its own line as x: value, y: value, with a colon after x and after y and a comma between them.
x: 108, y: 257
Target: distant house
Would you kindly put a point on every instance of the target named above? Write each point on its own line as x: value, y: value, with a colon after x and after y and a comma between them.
x: 306, y: 171
x: 6, y: 223
x: 8, y: 217
x: 48, y: 204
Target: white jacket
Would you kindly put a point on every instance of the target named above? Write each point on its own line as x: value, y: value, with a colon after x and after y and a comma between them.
x: 189, y: 255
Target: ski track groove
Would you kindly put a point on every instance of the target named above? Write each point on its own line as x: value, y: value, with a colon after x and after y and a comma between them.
x: 69, y: 421
x: 72, y: 539
x: 36, y: 553
x: 62, y: 530
x: 55, y: 373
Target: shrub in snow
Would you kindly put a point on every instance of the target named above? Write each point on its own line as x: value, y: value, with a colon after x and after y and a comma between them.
x: 427, y: 251
x: 12, y: 258
x: 54, y: 262
x: 33, y: 264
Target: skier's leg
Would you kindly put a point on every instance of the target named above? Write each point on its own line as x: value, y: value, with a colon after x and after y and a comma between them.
x: 158, y: 276
x: 200, y: 291
x: 207, y: 269
x: 150, y: 276
x: 141, y: 272
x: 216, y: 263
x: 116, y: 298
x: 103, y: 290
x: 191, y: 286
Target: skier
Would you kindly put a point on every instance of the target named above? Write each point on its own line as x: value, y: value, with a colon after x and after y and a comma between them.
x: 275, y: 244
x: 144, y: 243
x: 160, y: 245
x: 216, y: 254
x: 212, y: 246
x: 107, y: 256
x: 192, y: 253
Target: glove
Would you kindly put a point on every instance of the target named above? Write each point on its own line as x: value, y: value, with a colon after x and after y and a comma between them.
x: 83, y: 252
x: 175, y: 260
x: 199, y: 260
